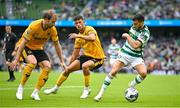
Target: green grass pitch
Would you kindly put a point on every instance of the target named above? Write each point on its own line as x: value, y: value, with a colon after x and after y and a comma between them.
x: 155, y: 91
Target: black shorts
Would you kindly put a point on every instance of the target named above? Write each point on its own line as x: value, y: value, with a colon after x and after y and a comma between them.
x: 98, y: 62
x: 8, y: 55
x: 39, y: 54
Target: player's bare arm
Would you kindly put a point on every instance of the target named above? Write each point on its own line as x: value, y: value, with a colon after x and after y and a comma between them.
x: 74, y: 55
x: 134, y: 43
x: 90, y: 37
x: 58, y: 49
x: 18, y: 54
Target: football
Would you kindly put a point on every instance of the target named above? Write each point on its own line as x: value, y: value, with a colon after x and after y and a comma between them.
x: 131, y: 94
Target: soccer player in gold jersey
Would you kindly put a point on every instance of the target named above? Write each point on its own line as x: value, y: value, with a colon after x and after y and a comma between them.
x: 33, y: 41
x: 93, y: 55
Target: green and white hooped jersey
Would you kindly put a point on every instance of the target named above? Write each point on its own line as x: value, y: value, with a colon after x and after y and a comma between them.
x: 142, y: 35
x: 113, y: 50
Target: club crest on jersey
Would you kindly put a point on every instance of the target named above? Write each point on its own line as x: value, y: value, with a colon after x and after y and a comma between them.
x: 29, y: 52
x: 28, y: 32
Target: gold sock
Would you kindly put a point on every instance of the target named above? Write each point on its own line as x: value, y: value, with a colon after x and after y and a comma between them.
x: 87, y: 80
x: 61, y: 79
x: 26, y: 73
x: 43, y: 78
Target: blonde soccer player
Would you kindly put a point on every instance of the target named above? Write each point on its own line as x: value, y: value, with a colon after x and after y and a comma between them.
x: 32, y: 42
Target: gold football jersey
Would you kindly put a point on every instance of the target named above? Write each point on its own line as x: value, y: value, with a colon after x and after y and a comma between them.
x: 90, y: 48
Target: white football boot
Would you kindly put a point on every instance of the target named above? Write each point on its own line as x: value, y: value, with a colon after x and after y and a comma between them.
x: 98, y: 97
x: 35, y: 96
x: 86, y: 93
x: 19, y: 93
x: 52, y: 90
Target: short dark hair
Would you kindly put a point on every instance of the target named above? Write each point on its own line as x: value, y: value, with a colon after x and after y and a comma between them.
x: 138, y: 17
x: 77, y: 18
x: 47, y: 15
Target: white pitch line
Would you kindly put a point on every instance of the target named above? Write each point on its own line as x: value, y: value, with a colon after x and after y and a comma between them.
x: 30, y: 88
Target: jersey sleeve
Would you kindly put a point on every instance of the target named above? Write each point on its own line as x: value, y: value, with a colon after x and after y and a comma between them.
x: 91, y: 30
x: 54, y: 34
x: 28, y: 34
x: 143, y: 37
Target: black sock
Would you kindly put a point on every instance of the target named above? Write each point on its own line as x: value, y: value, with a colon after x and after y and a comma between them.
x: 11, y: 73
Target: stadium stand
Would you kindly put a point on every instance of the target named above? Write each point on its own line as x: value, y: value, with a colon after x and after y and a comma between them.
x: 94, y: 9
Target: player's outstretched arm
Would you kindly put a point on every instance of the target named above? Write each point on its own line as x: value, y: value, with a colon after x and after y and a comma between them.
x: 90, y: 37
x: 18, y: 54
x: 58, y: 49
x: 74, y: 55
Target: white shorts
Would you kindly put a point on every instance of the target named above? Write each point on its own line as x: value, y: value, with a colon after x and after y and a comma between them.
x: 127, y: 59
x: 111, y: 61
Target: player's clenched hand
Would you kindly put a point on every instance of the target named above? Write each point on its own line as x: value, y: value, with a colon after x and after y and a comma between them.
x: 125, y: 35
x: 73, y: 35
x: 13, y: 64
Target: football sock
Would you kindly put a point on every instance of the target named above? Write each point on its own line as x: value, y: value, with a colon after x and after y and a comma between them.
x: 138, y: 79
x: 43, y: 78
x: 86, y: 80
x: 35, y: 91
x: 26, y: 73
x: 61, y: 79
x: 11, y: 73
x: 106, y: 83
x: 107, y: 80
x: 20, y: 86
x: 56, y: 87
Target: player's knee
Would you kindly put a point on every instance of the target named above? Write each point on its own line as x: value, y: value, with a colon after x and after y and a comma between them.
x: 85, y: 66
x: 143, y: 74
x: 31, y: 61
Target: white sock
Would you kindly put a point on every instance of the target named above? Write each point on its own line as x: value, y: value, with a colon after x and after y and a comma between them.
x: 106, y: 83
x: 86, y: 88
x: 138, y: 79
x: 20, y: 86
x: 35, y: 90
x: 56, y: 87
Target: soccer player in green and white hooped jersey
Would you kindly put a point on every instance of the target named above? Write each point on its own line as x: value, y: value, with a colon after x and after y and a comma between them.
x: 131, y: 53
x: 113, y: 50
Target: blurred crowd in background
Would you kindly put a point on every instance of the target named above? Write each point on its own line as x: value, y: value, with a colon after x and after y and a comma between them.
x: 162, y: 54
x: 90, y: 9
